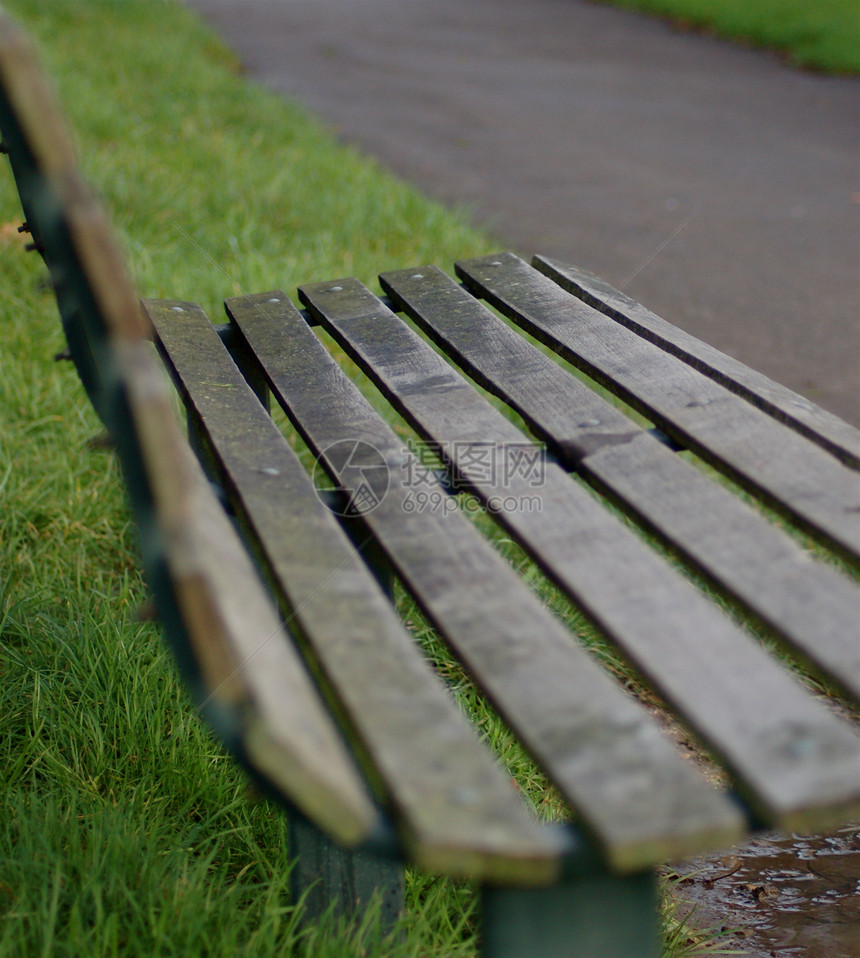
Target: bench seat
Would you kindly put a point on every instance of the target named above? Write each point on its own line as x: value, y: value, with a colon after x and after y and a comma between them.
x: 598, y: 747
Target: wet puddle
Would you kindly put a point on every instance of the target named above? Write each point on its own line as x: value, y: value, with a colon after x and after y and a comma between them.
x: 784, y: 897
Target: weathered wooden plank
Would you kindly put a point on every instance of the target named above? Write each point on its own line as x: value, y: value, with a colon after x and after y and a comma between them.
x: 816, y: 610
x: 790, y: 472
x: 36, y: 124
x: 793, y: 759
x: 456, y: 810
x: 604, y: 752
x: 247, y: 669
x: 810, y: 420
x: 56, y: 202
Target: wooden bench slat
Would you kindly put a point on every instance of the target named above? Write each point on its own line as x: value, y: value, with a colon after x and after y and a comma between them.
x: 233, y: 629
x: 606, y: 755
x: 810, y: 420
x: 808, y: 603
x: 457, y: 810
x: 799, y: 764
x: 792, y: 473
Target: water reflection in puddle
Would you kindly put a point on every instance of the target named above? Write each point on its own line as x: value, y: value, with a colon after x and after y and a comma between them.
x: 797, y: 896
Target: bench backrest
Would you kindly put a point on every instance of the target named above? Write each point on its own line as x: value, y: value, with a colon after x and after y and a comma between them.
x: 207, y: 593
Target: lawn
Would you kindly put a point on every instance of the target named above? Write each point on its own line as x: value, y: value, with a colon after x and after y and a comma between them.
x: 819, y: 35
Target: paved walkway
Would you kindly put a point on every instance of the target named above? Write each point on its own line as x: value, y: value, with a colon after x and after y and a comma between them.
x: 715, y: 185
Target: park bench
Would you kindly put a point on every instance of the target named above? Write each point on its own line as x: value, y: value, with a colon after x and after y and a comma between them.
x: 704, y: 520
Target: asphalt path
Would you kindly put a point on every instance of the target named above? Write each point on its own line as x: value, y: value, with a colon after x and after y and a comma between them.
x: 711, y: 182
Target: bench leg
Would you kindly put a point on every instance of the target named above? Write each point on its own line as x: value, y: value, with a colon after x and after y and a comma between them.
x: 602, y: 916
x: 331, y: 877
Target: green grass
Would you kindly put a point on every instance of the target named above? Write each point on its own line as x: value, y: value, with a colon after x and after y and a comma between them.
x: 816, y: 34
x: 125, y: 829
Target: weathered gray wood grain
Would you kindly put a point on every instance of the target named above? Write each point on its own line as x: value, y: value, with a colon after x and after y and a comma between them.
x: 455, y: 808
x: 612, y: 763
x: 790, y: 472
x: 796, y: 762
x: 231, y: 626
x: 810, y: 420
x: 814, y: 608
